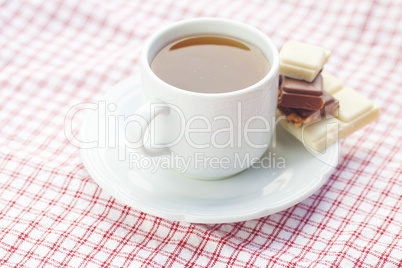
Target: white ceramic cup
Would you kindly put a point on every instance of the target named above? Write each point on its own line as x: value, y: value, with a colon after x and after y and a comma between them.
x: 216, y: 134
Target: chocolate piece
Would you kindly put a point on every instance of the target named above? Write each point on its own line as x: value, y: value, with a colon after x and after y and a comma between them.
x: 302, y: 61
x: 355, y: 111
x: 331, y: 83
x: 297, y: 119
x: 297, y: 94
x: 302, y: 116
x: 291, y: 85
x: 352, y: 104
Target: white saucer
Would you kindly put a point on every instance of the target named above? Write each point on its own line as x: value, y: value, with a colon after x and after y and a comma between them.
x: 254, y: 193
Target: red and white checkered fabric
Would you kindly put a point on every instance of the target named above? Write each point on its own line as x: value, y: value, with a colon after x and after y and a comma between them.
x: 55, y: 54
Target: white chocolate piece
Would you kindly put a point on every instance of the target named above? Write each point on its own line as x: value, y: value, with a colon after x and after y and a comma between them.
x: 347, y: 128
x: 355, y: 112
x: 351, y: 104
x: 316, y: 136
x: 302, y: 61
x: 331, y: 84
x: 327, y: 55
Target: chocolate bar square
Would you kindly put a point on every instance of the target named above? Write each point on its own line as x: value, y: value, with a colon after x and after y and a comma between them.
x: 298, y: 94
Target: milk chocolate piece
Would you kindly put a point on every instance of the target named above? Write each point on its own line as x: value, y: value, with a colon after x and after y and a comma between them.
x: 299, y: 94
x: 302, y: 87
x: 302, y: 116
x: 302, y: 61
x: 355, y: 111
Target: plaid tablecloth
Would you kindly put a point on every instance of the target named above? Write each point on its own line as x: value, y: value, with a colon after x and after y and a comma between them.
x: 56, y: 54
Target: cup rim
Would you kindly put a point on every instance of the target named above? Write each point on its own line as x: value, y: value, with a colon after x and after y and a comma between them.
x: 274, y: 68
